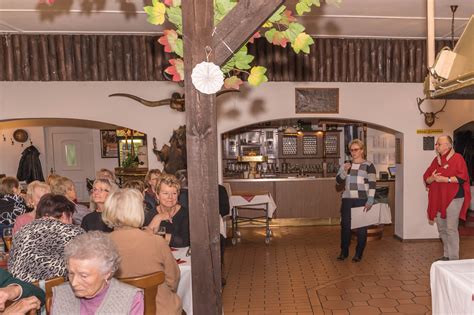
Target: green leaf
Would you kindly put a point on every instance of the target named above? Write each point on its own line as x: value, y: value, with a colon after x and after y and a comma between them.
x: 222, y: 8
x: 317, y: 3
x: 301, y: 8
x: 156, y: 13
x: 277, y: 15
x: 257, y: 76
x: 269, y: 34
x: 293, y: 30
x: 302, y: 43
x: 230, y: 65
x: 175, y: 16
x: 242, y: 59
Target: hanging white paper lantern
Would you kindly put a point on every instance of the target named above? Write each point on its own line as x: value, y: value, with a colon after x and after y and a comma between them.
x: 207, y: 77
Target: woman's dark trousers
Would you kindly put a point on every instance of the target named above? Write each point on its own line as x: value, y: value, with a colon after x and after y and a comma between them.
x: 346, y: 206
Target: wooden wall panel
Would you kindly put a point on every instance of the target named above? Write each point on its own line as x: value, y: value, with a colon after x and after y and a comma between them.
x: 29, y: 57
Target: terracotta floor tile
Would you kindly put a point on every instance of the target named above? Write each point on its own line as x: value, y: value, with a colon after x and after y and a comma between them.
x: 364, y: 310
x: 298, y: 274
x: 360, y: 303
x: 356, y: 297
x: 388, y: 310
x: 382, y: 302
x: 336, y: 305
x: 399, y: 295
x: 374, y: 289
x: 412, y: 309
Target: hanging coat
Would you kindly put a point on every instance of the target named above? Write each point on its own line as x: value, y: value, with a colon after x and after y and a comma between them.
x: 29, y: 168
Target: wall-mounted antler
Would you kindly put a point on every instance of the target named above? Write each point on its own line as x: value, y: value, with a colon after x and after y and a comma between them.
x: 429, y: 117
x: 175, y: 102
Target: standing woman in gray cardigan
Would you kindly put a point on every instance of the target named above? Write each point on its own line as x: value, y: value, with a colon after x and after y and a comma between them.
x: 360, y: 181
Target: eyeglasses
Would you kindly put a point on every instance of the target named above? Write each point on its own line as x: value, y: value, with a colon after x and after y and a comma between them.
x: 99, y: 190
x: 355, y: 150
x: 169, y: 194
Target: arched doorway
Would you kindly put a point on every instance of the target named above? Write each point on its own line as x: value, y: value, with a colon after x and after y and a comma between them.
x: 384, y: 146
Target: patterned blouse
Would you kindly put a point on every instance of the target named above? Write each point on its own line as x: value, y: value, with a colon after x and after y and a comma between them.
x: 11, y: 206
x: 38, y: 249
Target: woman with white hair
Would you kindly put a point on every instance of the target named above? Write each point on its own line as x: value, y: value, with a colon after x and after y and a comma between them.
x: 92, y: 260
x: 34, y: 192
x: 141, y: 251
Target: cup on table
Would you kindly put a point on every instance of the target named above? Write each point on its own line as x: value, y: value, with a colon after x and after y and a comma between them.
x: 7, y: 238
x: 161, y: 231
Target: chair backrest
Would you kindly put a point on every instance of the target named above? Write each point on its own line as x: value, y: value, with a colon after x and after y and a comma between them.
x: 149, y: 284
x: 48, y: 288
x: 228, y: 189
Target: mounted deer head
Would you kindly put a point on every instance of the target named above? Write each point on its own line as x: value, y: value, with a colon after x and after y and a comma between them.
x: 429, y: 117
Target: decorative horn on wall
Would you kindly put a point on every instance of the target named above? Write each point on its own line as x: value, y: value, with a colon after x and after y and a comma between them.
x: 175, y: 102
x: 432, y: 116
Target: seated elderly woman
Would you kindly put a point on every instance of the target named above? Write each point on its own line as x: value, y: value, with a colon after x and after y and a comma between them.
x: 64, y: 186
x: 141, y: 251
x: 92, y: 260
x: 100, y: 191
x: 12, y: 203
x: 171, y: 215
x: 37, y: 249
x: 34, y: 192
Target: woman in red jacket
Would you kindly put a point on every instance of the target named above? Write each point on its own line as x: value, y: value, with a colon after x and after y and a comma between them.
x: 447, y: 181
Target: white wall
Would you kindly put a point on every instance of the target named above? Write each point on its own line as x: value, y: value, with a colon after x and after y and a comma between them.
x: 90, y: 101
x: 390, y: 105
x: 11, y: 154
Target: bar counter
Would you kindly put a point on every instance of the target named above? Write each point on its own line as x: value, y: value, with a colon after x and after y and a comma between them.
x: 303, y: 197
x: 296, y: 197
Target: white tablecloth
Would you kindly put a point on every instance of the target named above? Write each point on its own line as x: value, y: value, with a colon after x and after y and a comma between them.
x: 378, y: 214
x: 452, y: 287
x: 185, y: 288
x: 255, y: 201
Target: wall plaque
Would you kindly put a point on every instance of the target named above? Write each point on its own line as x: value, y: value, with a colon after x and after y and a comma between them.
x: 319, y: 101
x: 428, y: 143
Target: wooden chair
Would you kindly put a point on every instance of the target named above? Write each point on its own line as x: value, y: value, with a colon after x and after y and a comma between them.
x: 48, y: 288
x: 149, y: 284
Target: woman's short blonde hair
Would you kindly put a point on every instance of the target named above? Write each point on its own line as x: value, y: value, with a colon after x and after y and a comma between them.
x: 169, y: 180
x: 105, y: 173
x: 134, y: 184
x: 124, y: 208
x: 7, y: 184
x: 61, y: 185
x: 52, y: 178
x: 153, y: 171
x: 359, y: 143
x: 33, y: 186
x: 109, y: 183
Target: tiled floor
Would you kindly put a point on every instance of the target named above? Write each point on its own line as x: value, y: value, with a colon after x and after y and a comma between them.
x: 298, y: 274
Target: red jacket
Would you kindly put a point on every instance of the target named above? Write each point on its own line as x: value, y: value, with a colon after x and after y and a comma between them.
x: 440, y: 195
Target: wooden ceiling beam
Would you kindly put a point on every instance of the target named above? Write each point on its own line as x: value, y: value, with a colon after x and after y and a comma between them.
x: 239, y: 25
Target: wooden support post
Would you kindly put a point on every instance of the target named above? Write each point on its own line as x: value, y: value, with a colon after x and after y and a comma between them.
x: 201, y: 133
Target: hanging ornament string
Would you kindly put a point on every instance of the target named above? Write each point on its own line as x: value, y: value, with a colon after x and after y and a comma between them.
x: 206, y: 76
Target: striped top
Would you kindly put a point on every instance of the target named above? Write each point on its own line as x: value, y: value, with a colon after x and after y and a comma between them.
x: 360, y: 182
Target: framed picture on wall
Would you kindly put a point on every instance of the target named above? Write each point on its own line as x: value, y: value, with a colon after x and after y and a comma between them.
x: 108, y: 144
x: 317, y: 100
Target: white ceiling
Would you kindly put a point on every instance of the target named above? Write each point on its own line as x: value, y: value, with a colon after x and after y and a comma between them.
x: 354, y: 18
